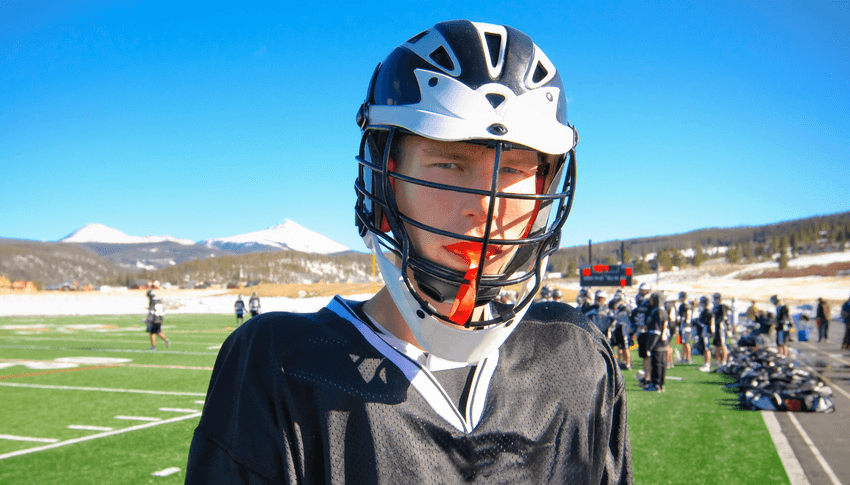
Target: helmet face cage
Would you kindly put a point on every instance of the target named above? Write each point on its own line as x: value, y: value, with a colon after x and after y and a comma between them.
x: 378, y: 212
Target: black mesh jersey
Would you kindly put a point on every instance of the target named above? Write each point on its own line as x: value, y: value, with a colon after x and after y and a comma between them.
x: 320, y: 399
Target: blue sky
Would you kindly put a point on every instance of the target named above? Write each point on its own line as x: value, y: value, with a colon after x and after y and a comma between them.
x: 214, y: 119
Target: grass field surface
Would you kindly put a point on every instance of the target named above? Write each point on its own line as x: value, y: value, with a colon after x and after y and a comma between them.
x: 84, y: 401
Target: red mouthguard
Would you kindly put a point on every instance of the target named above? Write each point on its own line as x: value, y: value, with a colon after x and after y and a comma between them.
x: 465, y: 300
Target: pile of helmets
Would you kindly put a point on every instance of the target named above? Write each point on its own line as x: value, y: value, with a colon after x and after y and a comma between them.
x: 768, y: 381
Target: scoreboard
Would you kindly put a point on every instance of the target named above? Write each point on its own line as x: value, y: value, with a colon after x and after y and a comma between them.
x: 605, y: 275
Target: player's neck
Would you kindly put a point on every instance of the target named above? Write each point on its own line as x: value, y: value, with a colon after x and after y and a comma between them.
x: 382, y: 309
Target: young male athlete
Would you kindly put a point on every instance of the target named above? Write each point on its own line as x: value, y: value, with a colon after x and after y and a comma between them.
x: 239, y: 308
x: 254, y: 304
x: 783, y: 325
x: 720, y: 315
x: 466, y: 176
x: 684, y: 317
x: 156, y: 316
x: 703, y: 331
x: 622, y: 327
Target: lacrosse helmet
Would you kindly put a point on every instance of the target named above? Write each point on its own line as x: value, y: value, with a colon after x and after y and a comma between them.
x: 477, y: 83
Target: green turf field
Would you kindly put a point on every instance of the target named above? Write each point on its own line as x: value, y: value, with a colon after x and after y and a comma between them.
x: 97, y: 407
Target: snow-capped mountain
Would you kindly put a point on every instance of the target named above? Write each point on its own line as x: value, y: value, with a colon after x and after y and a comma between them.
x: 98, y: 233
x: 289, y: 235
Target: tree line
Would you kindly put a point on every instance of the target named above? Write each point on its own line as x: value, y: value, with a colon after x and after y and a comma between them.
x: 781, y: 241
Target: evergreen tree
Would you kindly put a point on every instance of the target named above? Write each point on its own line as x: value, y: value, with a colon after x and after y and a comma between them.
x: 794, y: 244
x: 783, y: 260
x: 627, y: 257
x: 676, y: 257
x: 747, y: 251
x: 663, y: 258
x: 732, y: 254
x: 699, y: 256
x: 572, y: 268
x: 783, y: 245
x: 641, y: 266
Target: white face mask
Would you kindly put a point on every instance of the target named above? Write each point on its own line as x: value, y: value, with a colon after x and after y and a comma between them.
x: 445, y: 340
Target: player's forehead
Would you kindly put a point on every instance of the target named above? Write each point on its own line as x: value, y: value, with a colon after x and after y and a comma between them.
x: 417, y: 148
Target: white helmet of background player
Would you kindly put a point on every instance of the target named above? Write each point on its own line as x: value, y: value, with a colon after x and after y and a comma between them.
x: 601, y: 294
x: 557, y: 294
x: 478, y: 83
x: 582, y: 296
x: 644, y: 289
x: 618, y: 296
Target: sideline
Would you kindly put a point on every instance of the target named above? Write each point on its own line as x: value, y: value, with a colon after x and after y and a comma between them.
x: 827, y: 380
x: 792, y: 466
x: 814, y: 449
x: 96, y: 436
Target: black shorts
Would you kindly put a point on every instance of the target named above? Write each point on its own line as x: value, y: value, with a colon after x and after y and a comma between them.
x: 155, y: 328
x: 239, y: 314
x: 618, y: 338
x: 641, y: 340
x: 254, y: 313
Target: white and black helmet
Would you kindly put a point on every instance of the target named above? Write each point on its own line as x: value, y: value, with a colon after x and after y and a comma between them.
x: 463, y: 81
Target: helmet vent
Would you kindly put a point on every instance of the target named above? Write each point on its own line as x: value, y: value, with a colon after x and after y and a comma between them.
x: 495, y: 99
x: 442, y: 58
x: 416, y: 37
x: 540, y: 73
x: 494, y: 45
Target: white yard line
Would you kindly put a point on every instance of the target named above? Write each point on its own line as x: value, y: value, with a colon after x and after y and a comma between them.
x: 103, y: 389
x: 97, y: 436
x: 179, y: 410
x: 837, y: 357
x: 792, y: 466
x: 832, y: 385
x: 89, y: 428
x: 100, y: 349
x: 65, y: 338
x: 831, y: 474
x: 138, y: 418
x: 166, y: 472
x: 26, y: 438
